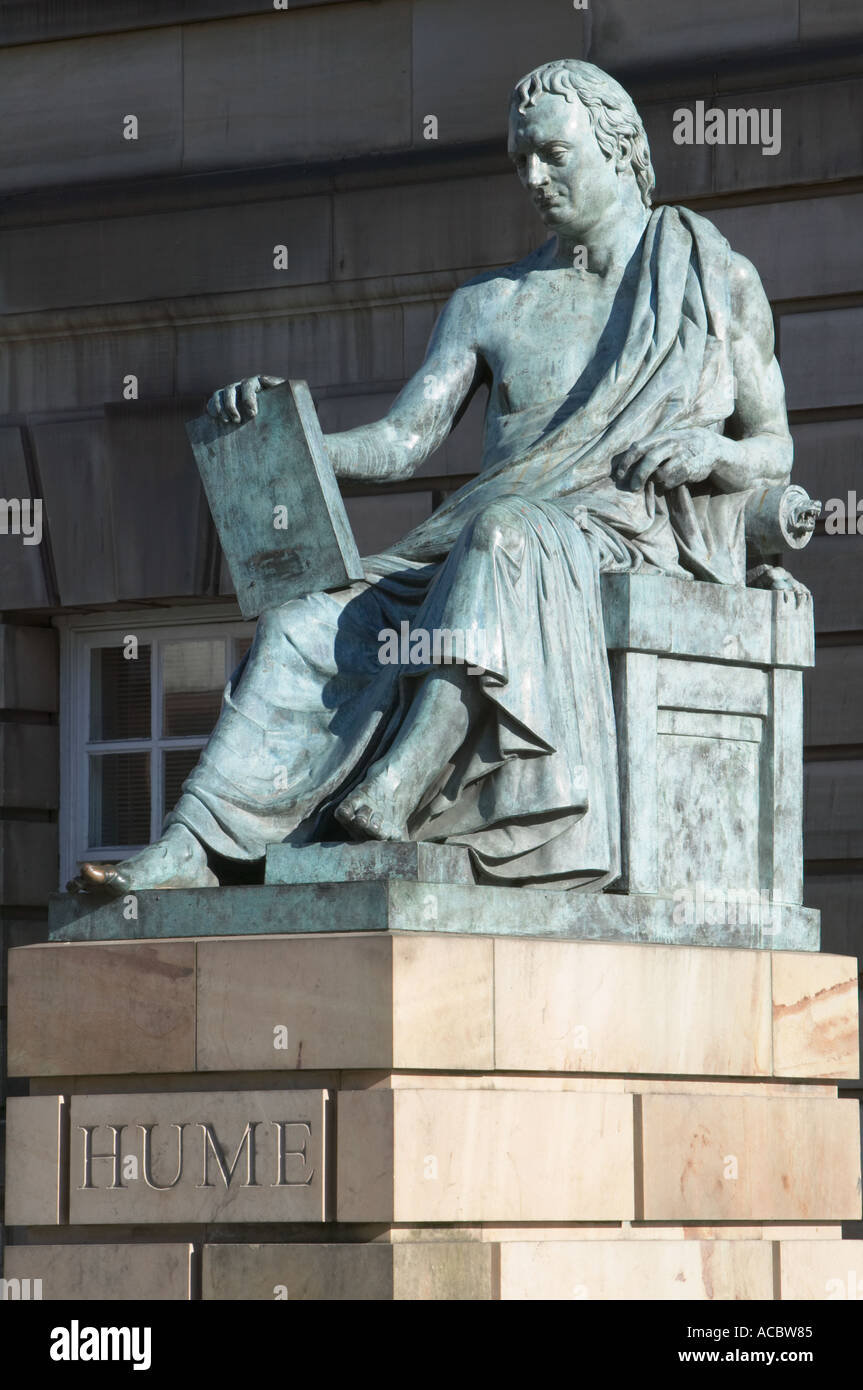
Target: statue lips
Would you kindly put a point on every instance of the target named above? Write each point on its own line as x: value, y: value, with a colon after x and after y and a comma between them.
x: 550, y: 209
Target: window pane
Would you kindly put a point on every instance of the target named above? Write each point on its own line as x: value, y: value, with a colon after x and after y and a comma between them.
x: 119, y: 799
x: 193, y: 678
x: 119, y: 693
x: 178, y: 763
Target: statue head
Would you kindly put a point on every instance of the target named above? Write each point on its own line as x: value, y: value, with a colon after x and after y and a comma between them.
x: 552, y: 112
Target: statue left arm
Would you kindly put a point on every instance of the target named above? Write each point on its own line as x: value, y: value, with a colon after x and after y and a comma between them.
x: 757, y: 448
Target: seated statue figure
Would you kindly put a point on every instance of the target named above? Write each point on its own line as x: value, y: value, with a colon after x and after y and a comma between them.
x: 634, y: 404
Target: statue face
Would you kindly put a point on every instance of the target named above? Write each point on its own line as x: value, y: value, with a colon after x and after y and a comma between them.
x: 558, y: 161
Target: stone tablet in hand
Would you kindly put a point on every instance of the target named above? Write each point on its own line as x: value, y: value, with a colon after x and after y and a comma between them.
x: 275, y: 501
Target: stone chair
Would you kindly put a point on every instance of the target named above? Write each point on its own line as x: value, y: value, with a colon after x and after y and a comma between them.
x: 708, y: 694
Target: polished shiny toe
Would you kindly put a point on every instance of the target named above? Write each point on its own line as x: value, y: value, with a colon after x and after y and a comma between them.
x: 93, y: 878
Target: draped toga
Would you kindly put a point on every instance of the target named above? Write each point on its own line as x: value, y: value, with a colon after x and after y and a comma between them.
x: 513, y: 560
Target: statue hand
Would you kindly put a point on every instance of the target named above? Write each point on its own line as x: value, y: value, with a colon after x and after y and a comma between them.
x: 239, y: 400
x: 775, y: 577
x: 682, y: 456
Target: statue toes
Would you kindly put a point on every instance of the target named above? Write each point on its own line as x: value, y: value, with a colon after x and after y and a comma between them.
x: 362, y: 819
x: 365, y: 819
x: 99, y: 877
x: 345, y: 814
x: 355, y: 816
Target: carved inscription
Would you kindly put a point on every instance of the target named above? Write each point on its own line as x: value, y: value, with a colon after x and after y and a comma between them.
x: 198, y: 1156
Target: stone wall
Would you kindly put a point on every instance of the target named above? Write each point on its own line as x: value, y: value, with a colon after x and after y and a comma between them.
x: 306, y: 128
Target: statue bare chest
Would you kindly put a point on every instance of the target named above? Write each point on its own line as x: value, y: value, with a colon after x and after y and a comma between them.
x: 552, y: 331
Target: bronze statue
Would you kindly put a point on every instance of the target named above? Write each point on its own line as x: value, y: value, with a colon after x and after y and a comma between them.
x: 635, y: 408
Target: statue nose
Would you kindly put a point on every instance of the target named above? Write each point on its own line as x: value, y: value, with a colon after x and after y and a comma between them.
x: 535, y: 172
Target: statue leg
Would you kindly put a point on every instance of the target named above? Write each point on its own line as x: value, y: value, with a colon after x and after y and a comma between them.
x: 448, y: 701
x: 439, y: 717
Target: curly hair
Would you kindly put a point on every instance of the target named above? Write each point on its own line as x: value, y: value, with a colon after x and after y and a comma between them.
x: 616, y: 123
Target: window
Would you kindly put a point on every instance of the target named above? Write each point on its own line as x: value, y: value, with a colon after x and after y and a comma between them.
x: 139, y: 702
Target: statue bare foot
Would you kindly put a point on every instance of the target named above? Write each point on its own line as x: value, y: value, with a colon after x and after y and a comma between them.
x: 377, y: 810
x: 177, y: 860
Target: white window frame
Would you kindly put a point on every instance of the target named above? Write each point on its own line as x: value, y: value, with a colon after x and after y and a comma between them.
x: 79, y: 635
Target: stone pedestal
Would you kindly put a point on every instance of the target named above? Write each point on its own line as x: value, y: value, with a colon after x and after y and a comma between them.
x: 424, y: 1114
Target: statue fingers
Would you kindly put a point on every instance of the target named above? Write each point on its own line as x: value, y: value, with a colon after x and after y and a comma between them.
x: 653, y: 460
x: 626, y: 462
x: 230, y: 413
x: 249, y: 396
x: 790, y: 594
x: 218, y: 406
x: 637, y: 453
x: 789, y: 587
x: 267, y: 381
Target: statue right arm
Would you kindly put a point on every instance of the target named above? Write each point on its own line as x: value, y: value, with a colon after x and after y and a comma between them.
x: 423, y: 413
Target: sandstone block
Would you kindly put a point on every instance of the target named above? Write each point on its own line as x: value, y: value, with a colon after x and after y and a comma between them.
x: 102, y: 1009
x: 438, y: 1155
x: 815, y: 1028
x: 667, y: 1270
x: 823, y: 1270
x: 359, y: 1002
x: 35, y: 1181
x: 416, y: 1269
x: 572, y: 1006
x: 726, y: 1158
x: 103, y: 1273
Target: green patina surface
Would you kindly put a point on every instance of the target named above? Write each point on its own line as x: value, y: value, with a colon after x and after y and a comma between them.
x: 401, y: 906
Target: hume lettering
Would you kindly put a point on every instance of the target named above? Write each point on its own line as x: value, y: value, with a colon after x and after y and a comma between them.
x: 169, y: 1152
x: 199, y: 1156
